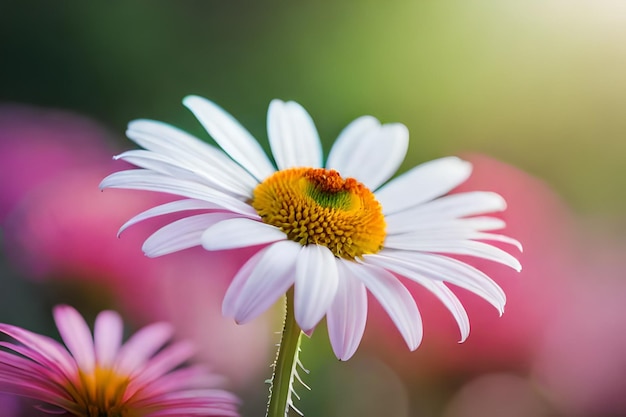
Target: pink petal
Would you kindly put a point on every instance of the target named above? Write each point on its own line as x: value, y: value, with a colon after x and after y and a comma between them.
x: 108, y: 332
x: 141, y: 346
x: 166, y: 360
x: 76, y: 335
x: 41, y: 349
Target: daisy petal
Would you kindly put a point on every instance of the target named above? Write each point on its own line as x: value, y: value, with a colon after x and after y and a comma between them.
x: 438, y: 288
x: 192, y: 154
x: 452, y: 206
x: 231, y: 136
x: 181, y: 234
x: 429, y: 227
x: 108, y: 332
x: 499, y: 238
x: 394, y: 298
x: 293, y: 136
x: 165, y: 165
x: 458, y: 246
x: 315, y: 285
x: 76, y: 336
x: 347, y: 314
x: 140, y: 179
x: 364, y: 144
x: 168, y: 208
x: 349, y: 141
x: 261, y: 281
x: 423, y: 183
x: 452, y: 303
x: 441, y: 268
x: 240, y: 233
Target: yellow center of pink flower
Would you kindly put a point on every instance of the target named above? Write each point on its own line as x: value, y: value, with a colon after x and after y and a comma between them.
x: 318, y: 206
x: 101, y: 394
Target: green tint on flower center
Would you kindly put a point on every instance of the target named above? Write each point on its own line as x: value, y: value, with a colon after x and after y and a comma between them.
x: 327, y: 191
x: 318, y: 206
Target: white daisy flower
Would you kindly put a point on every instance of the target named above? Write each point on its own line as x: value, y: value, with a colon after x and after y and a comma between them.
x: 332, y: 231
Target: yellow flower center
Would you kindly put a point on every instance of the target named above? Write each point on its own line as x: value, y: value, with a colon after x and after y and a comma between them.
x: 101, y: 394
x: 318, y: 206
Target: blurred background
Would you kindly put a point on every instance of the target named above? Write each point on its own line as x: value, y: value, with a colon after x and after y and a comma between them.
x: 532, y: 92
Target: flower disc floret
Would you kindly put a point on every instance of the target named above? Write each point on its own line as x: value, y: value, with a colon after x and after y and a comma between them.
x: 318, y: 206
x: 101, y: 393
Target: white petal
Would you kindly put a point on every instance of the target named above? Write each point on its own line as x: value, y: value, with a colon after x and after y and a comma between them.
x: 191, y: 153
x: 457, y: 230
x: 427, y: 227
x: 452, y: 206
x: 394, y: 298
x: 240, y: 233
x: 161, y: 163
x: 171, y: 207
x: 165, y: 165
x: 437, y: 287
x: 422, y: 239
x: 315, y: 285
x: 231, y: 136
x: 339, y: 157
x: 293, y: 136
x: 182, y: 234
x: 347, y: 314
x: 453, y: 247
x: 108, y: 332
x: 76, y: 335
x: 442, y: 268
x: 452, y: 303
x: 369, y: 152
x: 261, y: 281
x: 140, y: 179
x: 499, y: 238
x: 423, y: 183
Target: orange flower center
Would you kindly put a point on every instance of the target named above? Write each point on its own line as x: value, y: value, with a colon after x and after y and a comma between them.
x: 101, y: 394
x: 318, y: 206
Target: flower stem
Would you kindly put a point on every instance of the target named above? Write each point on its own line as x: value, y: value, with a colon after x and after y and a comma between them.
x: 285, y: 366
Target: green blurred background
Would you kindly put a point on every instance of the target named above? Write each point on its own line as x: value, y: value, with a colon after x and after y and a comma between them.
x: 539, y: 84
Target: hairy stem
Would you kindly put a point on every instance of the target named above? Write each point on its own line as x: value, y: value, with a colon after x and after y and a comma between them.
x: 285, y: 366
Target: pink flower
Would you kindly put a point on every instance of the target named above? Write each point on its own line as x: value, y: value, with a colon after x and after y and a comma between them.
x: 100, y: 376
x: 56, y: 225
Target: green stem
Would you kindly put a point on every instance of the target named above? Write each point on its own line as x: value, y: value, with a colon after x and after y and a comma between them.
x: 285, y: 365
